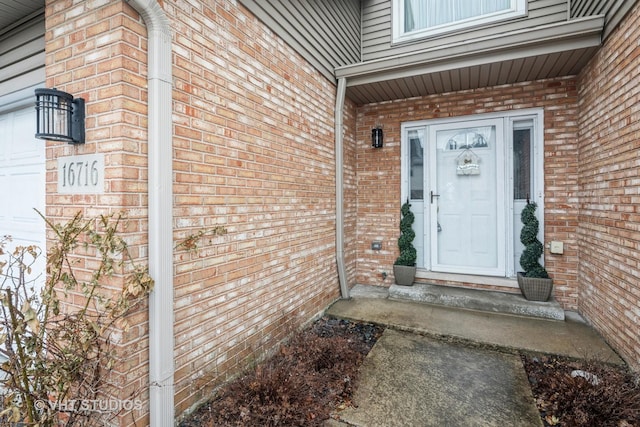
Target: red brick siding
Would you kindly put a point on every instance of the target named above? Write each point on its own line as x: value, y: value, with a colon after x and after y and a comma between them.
x: 350, y: 195
x: 379, y: 171
x: 98, y: 53
x: 253, y: 141
x: 254, y: 152
x: 609, y: 232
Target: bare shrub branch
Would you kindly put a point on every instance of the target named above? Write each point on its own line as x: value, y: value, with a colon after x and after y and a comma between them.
x: 57, y: 336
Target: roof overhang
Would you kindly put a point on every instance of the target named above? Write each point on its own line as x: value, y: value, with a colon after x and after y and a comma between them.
x: 524, y: 55
x: 14, y: 13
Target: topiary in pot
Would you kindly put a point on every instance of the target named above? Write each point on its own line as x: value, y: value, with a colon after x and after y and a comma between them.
x: 534, y: 283
x: 404, y: 269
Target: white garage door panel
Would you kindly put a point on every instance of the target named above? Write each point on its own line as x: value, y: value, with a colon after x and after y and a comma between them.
x: 25, y: 147
x: 22, y: 178
x: 23, y: 221
x: 22, y: 156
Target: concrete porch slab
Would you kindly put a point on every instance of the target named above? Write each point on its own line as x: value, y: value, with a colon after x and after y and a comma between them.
x: 572, y: 338
x: 443, y: 365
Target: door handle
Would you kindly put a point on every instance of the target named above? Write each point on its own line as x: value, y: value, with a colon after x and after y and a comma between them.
x: 433, y: 195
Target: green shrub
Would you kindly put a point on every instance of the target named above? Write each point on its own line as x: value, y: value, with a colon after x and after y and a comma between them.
x: 533, y: 248
x: 408, y: 254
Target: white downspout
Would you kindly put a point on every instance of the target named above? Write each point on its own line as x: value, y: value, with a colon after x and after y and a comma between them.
x: 339, y: 138
x: 160, y: 155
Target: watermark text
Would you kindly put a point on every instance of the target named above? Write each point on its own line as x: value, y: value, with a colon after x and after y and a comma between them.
x: 90, y: 405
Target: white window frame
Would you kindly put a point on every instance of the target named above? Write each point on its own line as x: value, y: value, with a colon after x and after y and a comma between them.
x: 517, y: 10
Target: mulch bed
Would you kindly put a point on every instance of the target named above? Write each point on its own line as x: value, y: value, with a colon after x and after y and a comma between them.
x: 316, y: 372
x: 570, y: 393
x: 301, y: 385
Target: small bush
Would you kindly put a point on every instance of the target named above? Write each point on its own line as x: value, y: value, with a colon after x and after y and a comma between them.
x: 58, y: 355
x: 408, y: 254
x: 533, y: 248
x: 299, y: 386
x: 611, y: 401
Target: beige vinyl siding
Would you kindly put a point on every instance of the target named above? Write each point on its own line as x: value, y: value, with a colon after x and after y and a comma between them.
x: 377, y: 21
x: 614, y: 10
x: 22, y: 55
x: 595, y: 7
x: 326, y: 33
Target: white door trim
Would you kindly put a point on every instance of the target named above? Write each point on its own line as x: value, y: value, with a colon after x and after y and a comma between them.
x: 509, y: 117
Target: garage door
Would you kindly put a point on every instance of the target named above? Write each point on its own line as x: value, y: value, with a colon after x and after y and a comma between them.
x: 22, y: 180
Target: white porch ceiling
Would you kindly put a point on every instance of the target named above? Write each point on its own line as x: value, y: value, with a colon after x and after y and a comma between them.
x: 435, y: 81
x: 13, y: 11
x: 533, y: 54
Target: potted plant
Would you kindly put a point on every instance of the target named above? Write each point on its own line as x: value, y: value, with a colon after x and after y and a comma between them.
x: 534, y: 282
x: 404, y: 269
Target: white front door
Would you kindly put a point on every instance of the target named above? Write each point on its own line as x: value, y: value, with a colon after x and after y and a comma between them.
x: 466, y: 197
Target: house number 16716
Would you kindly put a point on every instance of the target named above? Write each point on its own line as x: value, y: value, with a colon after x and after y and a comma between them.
x: 81, y: 174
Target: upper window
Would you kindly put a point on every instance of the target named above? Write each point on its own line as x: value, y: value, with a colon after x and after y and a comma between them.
x: 421, y: 18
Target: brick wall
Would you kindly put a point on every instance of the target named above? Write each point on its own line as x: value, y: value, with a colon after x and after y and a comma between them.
x: 98, y: 53
x: 350, y: 186
x: 379, y: 171
x: 254, y: 152
x: 253, y: 140
x: 609, y: 218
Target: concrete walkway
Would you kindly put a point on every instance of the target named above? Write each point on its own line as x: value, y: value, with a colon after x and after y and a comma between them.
x: 447, y: 366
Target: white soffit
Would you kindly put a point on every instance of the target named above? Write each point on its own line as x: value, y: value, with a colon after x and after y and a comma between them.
x: 13, y: 11
x: 542, y: 52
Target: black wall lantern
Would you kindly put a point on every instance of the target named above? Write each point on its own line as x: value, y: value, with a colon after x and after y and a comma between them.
x: 376, y: 137
x: 59, y: 117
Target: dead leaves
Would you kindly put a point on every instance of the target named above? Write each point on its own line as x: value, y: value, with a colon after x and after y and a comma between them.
x: 30, y: 317
x: 552, y: 420
x: 567, y: 399
x: 58, y: 336
x: 306, y: 379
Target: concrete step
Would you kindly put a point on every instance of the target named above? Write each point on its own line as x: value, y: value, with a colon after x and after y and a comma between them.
x: 474, y: 299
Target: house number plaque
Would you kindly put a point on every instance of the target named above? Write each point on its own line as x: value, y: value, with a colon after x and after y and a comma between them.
x: 81, y: 174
